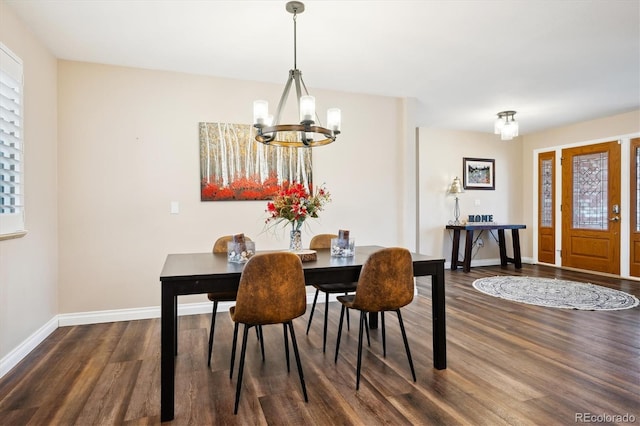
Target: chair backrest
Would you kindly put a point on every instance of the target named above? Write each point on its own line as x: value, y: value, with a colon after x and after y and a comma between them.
x: 321, y: 241
x: 386, y: 281
x: 220, y: 246
x: 271, y: 290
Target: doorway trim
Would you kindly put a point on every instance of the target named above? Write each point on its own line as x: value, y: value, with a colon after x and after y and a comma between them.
x: 625, y: 201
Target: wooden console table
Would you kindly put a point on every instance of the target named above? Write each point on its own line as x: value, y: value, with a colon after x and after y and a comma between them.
x: 469, y: 229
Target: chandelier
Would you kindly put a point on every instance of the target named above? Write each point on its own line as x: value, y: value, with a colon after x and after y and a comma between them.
x: 506, y: 126
x: 306, y: 133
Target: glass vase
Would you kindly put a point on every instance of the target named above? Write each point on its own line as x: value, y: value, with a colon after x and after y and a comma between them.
x: 295, y: 243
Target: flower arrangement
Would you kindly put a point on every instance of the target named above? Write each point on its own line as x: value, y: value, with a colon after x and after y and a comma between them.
x: 294, y: 204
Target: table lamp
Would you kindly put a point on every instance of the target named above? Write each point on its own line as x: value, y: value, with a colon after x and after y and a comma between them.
x: 456, y: 188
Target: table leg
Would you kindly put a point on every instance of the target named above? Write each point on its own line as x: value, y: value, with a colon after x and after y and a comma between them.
x: 373, y: 320
x: 503, y: 249
x: 168, y: 314
x: 455, y: 250
x: 468, y: 245
x: 517, y: 259
x: 438, y: 314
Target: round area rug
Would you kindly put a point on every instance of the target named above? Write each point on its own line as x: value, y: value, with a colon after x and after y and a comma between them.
x: 554, y: 293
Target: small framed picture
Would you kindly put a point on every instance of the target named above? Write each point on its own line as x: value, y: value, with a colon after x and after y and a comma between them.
x: 479, y: 173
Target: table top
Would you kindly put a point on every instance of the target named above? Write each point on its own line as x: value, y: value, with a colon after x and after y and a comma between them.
x: 473, y: 227
x: 189, y: 266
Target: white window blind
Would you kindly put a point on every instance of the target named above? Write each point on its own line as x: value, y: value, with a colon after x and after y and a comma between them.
x: 11, y: 143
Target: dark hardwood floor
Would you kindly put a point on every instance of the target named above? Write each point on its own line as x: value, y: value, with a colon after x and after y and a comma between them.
x: 508, y: 364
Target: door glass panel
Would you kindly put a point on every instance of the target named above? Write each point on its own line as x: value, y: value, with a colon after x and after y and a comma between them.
x: 546, y: 193
x: 590, y: 183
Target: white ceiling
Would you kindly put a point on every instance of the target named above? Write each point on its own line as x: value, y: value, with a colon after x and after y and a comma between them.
x: 554, y: 62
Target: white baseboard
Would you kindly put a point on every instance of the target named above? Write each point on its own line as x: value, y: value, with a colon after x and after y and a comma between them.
x: 22, y: 350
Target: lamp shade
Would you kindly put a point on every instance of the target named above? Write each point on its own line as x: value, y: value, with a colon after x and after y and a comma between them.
x: 456, y: 186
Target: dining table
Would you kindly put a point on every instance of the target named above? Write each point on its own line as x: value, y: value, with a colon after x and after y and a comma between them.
x: 200, y: 273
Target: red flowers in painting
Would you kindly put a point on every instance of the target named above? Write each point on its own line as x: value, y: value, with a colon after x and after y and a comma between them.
x: 240, y: 189
x: 293, y: 204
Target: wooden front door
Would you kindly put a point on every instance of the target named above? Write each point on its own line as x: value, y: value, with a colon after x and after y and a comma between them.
x: 634, y: 240
x: 547, y: 207
x: 591, y: 207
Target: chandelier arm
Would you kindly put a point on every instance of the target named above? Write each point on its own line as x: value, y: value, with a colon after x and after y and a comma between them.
x: 283, y: 98
x: 297, y: 76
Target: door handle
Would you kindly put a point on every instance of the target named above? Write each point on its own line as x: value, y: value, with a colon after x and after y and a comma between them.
x: 615, y: 219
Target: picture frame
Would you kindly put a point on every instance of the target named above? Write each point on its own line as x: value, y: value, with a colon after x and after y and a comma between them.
x: 479, y: 173
x: 235, y: 167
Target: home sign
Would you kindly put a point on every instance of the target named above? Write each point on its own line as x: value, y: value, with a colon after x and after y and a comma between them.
x: 481, y: 218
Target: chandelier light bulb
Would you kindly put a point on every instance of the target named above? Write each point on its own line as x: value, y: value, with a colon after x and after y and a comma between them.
x: 334, y: 119
x: 307, y: 108
x: 260, y: 112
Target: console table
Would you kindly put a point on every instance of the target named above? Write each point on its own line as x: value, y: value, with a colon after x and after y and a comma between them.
x: 469, y: 229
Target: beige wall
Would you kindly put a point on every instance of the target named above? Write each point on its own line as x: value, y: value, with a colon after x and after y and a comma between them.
x: 128, y: 143
x: 29, y: 265
x: 440, y: 161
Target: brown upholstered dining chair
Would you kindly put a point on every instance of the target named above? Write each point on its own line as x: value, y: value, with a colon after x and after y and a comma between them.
x: 220, y: 246
x: 323, y: 241
x: 385, y: 284
x: 271, y: 291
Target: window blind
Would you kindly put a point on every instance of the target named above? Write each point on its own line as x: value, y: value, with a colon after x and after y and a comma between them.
x: 11, y: 143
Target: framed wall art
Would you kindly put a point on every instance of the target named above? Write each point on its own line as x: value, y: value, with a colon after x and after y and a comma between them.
x: 479, y: 173
x: 234, y: 166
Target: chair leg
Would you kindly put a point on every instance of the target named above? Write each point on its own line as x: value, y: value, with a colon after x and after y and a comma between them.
x: 384, y: 337
x: 348, y: 322
x: 406, y: 344
x: 261, y: 338
x: 297, y: 354
x: 339, y: 332
x: 233, y: 349
x: 362, y: 321
x: 366, y: 328
x: 326, y: 319
x: 241, y: 368
x: 313, y: 308
x: 213, y: 326
x: 286, y: 346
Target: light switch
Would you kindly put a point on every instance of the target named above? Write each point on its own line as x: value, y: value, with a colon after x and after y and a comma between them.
x: 175, y: 207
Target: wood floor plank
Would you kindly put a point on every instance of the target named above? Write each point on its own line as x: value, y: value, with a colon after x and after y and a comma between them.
x: 508, y: 364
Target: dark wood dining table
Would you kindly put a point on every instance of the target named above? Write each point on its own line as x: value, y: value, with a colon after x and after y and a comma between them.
x: 199, y: 273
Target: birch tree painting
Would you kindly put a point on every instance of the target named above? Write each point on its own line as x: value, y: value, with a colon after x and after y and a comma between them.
x: 234, y: 166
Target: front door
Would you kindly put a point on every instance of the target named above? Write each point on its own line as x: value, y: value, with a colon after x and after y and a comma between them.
x: 591, y: 207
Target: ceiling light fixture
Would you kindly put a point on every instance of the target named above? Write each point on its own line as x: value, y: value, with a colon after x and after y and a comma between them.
x: 506, y: 126
x: 306, y: 134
